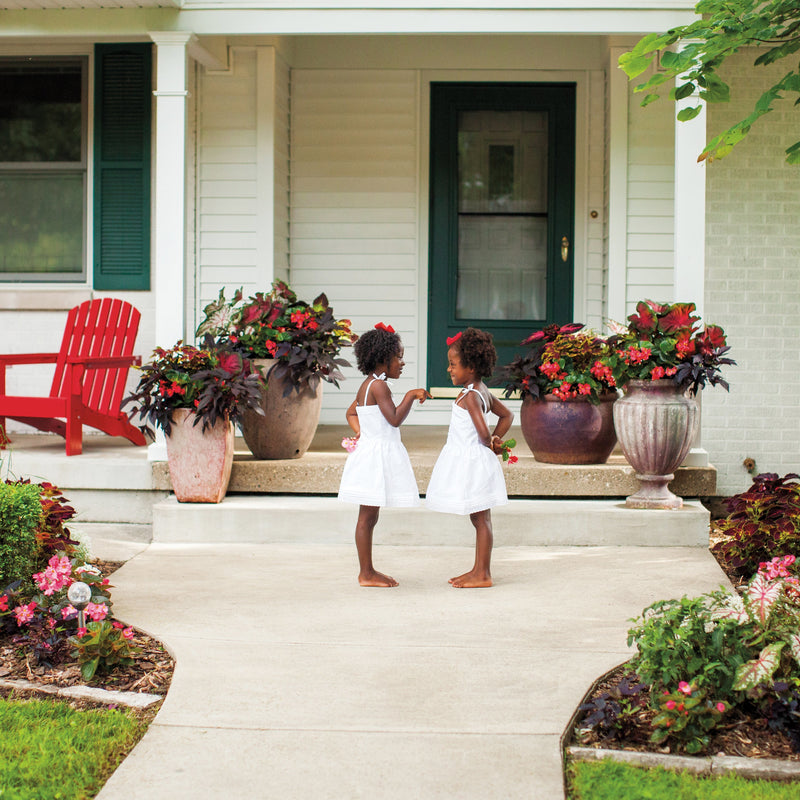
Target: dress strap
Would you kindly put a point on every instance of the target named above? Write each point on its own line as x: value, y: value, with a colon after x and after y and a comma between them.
x: 469, y: 388
x: 381, y: 377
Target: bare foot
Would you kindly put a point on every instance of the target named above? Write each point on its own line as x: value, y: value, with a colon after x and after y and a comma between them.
x: 375, y: 578
x: 472, y: 580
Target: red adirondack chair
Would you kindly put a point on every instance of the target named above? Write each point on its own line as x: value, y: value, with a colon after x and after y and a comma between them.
x: 90, y: 374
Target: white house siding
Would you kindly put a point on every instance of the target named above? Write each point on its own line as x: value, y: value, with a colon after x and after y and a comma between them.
x: 227, y: 187
x: 354, y: 150
x: 753, y: 284
x: 594, y: 286
x: 650, y: 256
x: 281, y: 169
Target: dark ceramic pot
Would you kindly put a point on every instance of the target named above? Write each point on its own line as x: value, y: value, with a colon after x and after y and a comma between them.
x: 572, y: 431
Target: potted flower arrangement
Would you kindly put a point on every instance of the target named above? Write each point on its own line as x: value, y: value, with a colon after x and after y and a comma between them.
x: 296, y: 345
x: 195, y: 394
x: 567, y: 392
x: 662, y: 359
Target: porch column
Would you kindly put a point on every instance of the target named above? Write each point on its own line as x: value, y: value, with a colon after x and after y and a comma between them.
x: 169, y: 193
x: 690, y: 226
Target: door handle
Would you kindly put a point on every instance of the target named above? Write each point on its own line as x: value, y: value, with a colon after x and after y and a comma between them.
x: 564, y: 248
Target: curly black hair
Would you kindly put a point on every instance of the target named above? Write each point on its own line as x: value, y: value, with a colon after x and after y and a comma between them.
x: 376, y: 347
x: 477, y: 351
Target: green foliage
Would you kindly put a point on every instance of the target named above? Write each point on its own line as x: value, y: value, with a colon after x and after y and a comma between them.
x: 678, y: 640
x: 612, y: 780
x: 20, y: 511
x: 49, y: 750
x: 763, y: 522
x: 103, y: 646
x: 687, y: 716
x: 725, y: 27
x: 610, y: 713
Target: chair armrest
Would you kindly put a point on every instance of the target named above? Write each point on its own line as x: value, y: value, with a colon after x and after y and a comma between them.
x: 98, y: 362
x: 28, y: 358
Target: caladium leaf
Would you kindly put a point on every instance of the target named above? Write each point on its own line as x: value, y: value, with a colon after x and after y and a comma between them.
x: 733, y: 609
x: 760, y: 669
x: 794, y: 645
x: 762, y: 595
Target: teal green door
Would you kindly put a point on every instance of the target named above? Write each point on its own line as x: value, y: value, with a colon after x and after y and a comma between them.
x: 502, y: 183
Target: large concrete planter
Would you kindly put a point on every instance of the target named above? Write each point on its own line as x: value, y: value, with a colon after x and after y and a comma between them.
x: 199, y: 463
x: 289, y: 422
x: 572, y: 431
x: 656, y: 424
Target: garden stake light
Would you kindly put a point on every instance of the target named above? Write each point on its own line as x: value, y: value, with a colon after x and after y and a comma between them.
x: 79, y: 594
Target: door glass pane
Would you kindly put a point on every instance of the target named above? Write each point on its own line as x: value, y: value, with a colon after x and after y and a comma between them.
x: 502, y: 215
x: 41, y: 223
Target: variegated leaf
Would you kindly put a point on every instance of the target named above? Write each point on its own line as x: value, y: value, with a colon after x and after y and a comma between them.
x: 762, y: 595
x: 794, y: 645
x: 733, y: 609
x: 760, y: 669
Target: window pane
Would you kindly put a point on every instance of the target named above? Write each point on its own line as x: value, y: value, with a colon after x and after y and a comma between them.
x: 41, y: 223
x: 40, y: 112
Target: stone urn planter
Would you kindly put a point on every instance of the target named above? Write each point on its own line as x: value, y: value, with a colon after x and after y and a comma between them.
x: 571, y: 431
x: 656, y: 424
x: 289, y: 422
x: 199, y: 463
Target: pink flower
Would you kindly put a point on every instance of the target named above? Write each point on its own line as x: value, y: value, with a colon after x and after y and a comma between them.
x: 584, y: 388
x: 350, y: 443
x: 4, y: 602
x: 127, y: 633
x: 657, y: 373
x: 24, y: 614
x: 513, y: 459
x: 68, y: 612
x: 670, y: 704
x: 685, y: 688
x: 82, y: 632
x: 721, y: 707
x: 96, y: 611
x: 57, y: 575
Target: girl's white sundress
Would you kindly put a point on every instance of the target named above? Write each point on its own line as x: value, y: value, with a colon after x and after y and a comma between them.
x: 467, y: 476
x: 378, y: 472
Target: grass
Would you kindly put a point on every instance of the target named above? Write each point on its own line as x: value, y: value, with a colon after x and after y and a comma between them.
x: 612, y: 780
x: 51, y: 751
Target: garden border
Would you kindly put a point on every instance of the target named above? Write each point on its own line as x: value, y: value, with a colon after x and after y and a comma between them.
x: 83, y: 692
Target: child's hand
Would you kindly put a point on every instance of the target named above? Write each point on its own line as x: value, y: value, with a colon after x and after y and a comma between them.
x: 505, y: 450
x: 421, y: 394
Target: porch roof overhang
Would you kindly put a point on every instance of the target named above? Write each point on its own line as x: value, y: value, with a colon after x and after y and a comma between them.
x: 129, y: 18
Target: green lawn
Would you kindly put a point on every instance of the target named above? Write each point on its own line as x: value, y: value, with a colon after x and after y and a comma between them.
x: 50, y: 751
x: 611, y: 780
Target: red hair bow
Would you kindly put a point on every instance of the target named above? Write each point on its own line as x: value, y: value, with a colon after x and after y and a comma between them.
x: 453, y: 339
x: 382, y: 327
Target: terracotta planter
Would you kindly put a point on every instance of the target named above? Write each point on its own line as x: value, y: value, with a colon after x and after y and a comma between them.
x: 289, y: 423
x: 199, y: 463
x: 572, y: 431
x: 656, y: 425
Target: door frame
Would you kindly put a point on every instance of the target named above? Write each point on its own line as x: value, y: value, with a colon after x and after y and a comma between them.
x: 579, y: 246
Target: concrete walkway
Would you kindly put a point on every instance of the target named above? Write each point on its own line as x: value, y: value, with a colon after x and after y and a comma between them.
x: 294, y: 682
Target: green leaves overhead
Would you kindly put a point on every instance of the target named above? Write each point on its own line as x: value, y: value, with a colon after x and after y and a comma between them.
x: 724, y: 27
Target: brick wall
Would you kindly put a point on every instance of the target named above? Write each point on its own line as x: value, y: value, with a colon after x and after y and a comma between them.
x: 753, y: 284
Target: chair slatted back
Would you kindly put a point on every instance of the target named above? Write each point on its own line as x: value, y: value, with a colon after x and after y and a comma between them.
x: 105, y: 327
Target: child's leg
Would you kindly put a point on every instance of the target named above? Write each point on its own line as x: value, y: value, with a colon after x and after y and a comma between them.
x: 367, y: 575
x: 479, y: 576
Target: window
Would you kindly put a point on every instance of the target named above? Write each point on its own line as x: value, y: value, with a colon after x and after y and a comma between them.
x: 43, y: 179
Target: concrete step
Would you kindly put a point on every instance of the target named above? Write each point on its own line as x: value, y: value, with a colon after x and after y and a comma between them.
x: 324, y: 520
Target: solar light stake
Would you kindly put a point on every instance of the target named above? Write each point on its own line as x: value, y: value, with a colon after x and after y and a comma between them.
x: 79, y: 594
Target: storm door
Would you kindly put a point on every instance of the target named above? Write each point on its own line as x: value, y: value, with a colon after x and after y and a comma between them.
x: 502, y: 182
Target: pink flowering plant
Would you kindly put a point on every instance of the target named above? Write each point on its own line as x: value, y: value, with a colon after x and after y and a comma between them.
x: 304, y: 338
x: 564, y: 361
x: 687, y: 716
x: 103, y: 645
x: 212, y: 380
x: 665, y: 341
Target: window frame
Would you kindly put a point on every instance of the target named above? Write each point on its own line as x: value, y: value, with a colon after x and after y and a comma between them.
x: 81, y: 168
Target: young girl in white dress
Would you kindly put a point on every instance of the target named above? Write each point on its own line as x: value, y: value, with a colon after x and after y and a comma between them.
x: 467, y: 477
x: 378, y: 472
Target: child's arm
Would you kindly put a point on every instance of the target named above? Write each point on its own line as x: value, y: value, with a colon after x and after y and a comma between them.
x: 352, y: 419
x: 505, y: 416
x: 473, y: 404
x: 395, y: 415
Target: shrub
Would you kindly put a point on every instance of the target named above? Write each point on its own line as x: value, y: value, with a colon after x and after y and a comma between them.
x: 103, y: 645
x: 687, y: 715
x: 762, y: 523
x: 20, y: 511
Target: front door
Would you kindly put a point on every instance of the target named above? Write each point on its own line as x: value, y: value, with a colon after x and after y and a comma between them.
x: 501, y: 213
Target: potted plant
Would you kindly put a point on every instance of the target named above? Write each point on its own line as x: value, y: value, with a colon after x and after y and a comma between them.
x: 661, y: 360
x: 567, y: 395
x: 195, y: 394
x: 296, y: 345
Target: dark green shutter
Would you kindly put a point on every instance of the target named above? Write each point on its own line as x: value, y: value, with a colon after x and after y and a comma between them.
x: 123, y: 103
